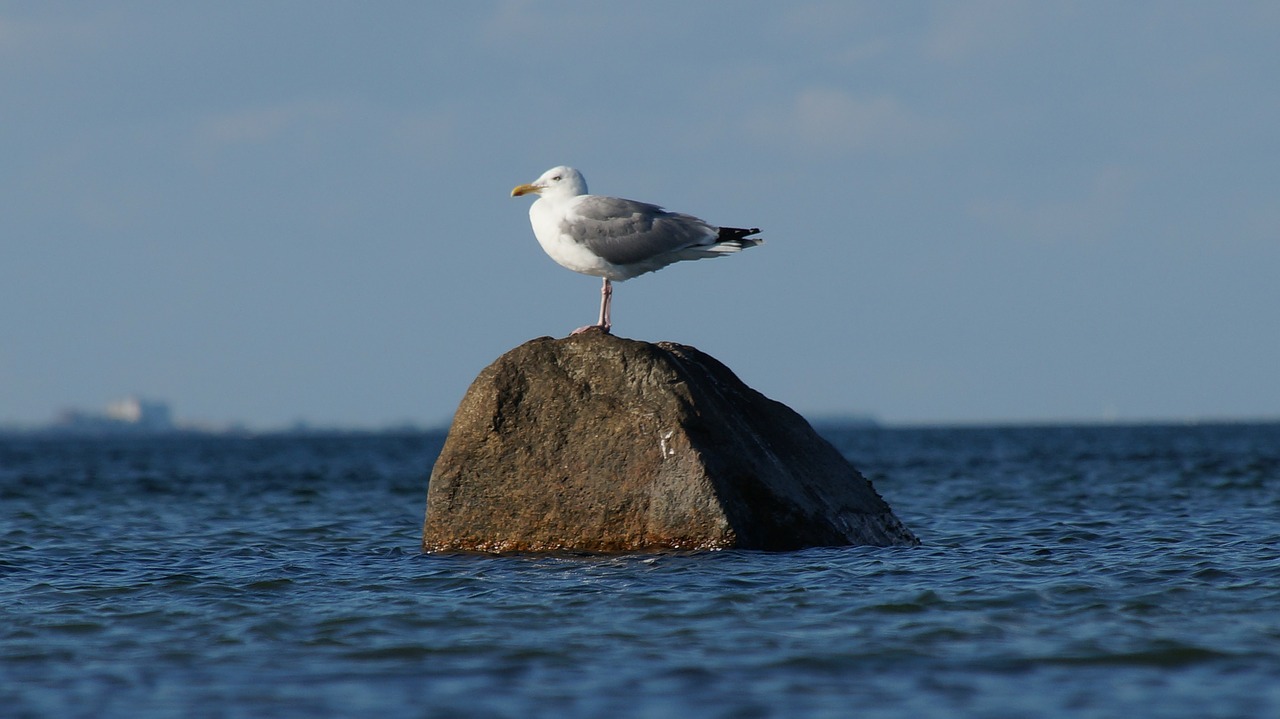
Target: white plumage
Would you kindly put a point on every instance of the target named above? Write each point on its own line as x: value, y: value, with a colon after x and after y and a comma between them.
x: 618, y: 239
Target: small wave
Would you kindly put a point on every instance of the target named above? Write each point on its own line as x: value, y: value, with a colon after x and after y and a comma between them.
x: 1173, y: 656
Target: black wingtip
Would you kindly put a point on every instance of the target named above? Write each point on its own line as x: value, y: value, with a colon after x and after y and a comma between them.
x: 730, y: 234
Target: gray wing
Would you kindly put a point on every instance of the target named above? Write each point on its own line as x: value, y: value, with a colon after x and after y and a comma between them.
x: 626, y: 232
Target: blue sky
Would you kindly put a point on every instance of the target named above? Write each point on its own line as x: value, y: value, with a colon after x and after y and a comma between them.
x: 974, y: 211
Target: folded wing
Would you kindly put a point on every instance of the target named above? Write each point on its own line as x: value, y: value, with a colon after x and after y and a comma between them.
x: 626, y: 232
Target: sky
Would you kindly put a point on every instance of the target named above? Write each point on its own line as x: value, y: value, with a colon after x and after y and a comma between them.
x: 974, y: 211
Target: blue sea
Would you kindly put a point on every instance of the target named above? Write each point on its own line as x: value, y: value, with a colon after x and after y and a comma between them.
x: 1093, y: 571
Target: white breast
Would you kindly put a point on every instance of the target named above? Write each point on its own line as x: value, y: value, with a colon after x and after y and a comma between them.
x: 545, y: 218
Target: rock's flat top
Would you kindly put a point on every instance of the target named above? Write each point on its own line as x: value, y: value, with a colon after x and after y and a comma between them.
x: 597, y: 443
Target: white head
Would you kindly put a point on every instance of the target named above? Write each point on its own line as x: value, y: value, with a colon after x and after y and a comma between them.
x: 558, y: 182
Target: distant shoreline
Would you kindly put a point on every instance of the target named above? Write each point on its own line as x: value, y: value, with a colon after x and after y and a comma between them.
x: 821, y: 424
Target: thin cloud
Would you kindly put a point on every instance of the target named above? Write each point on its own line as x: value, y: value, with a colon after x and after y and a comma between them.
x: 596, y: 23
x: 1093, y: 214
x: 307, y: 122
x: 959, y: 30
x: 256, y: 125
x: 824, y: 120
x: 249, y: 126
x: 18, y: 37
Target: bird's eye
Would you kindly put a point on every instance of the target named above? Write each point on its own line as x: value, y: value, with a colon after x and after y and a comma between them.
x: 556, y: 178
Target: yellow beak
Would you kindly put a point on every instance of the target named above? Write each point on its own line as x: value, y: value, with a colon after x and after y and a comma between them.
x: 524, y: 190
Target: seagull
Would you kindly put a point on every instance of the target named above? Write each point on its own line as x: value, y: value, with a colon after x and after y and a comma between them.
x: 618, y: 239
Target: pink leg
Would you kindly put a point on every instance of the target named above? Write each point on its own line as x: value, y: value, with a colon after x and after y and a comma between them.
x: 606, y: 303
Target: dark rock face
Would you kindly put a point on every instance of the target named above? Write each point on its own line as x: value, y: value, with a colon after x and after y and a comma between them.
x: 600, y: 444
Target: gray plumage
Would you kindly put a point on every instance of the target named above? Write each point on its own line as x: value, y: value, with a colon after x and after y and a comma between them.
x: 618, y: 239
x: 625, y: 232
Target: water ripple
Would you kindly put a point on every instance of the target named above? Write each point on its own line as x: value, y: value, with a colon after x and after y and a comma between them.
x: 1065, y: 572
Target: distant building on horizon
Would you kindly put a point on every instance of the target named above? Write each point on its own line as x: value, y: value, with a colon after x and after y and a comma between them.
x: 142, y: 413
x: 131, y: 414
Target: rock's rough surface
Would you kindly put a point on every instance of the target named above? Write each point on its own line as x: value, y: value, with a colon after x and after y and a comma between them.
x: 596, y: 443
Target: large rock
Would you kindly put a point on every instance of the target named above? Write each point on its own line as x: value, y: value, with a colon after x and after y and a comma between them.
x: 596, y: 443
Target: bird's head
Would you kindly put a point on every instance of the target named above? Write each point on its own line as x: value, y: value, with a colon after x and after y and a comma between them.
x: 557, y: 182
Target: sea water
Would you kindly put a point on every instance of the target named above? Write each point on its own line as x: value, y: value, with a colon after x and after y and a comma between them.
x: 1113, y: 571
